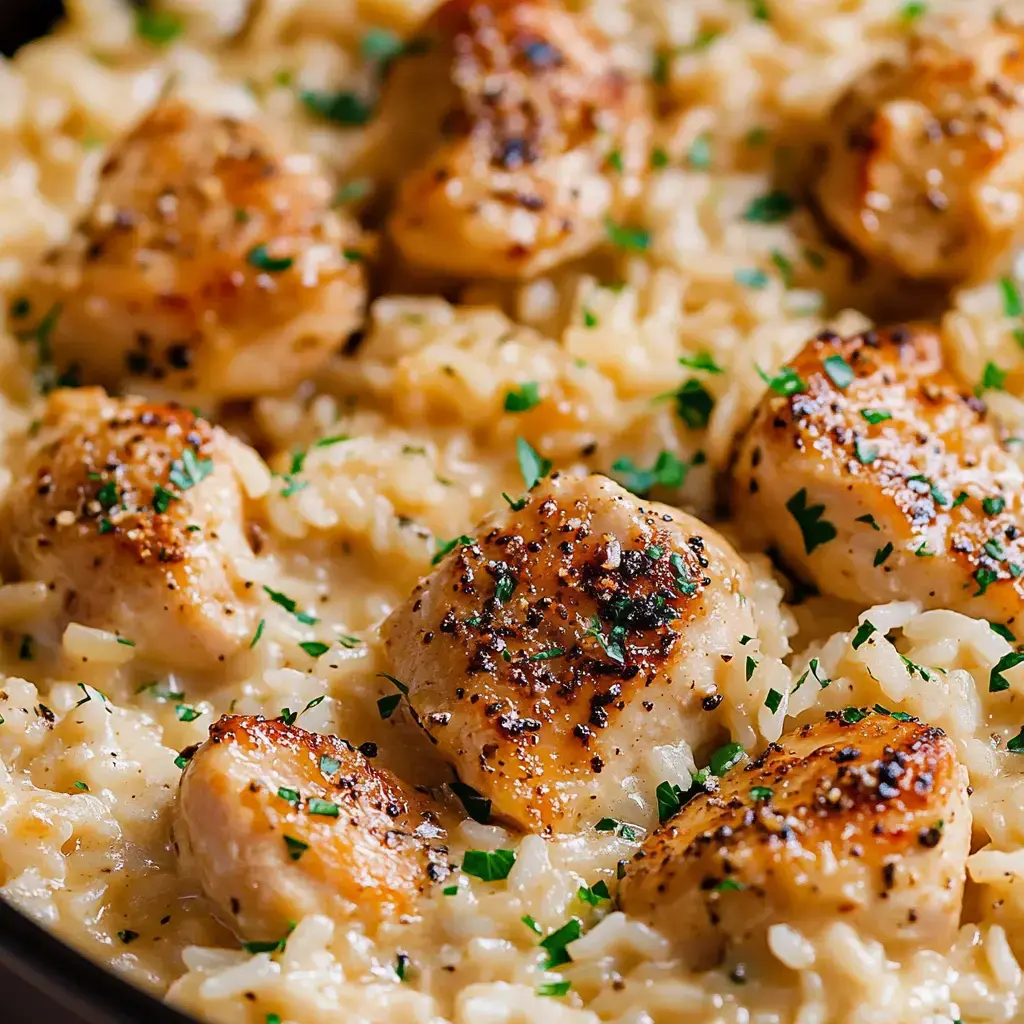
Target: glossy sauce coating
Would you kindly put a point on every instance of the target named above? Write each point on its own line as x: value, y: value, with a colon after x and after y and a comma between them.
x: 897, y: 475
x: 275, y: 822
x: 863, y: 821
x: 133, y: 514
x: 210, y: 261
x: 924, y: 168
x: 522, y: 138
x: 553, y: 654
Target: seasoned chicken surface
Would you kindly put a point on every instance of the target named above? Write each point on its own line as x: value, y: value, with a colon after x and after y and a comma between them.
x: 276, y: 823
x: 133, y: 514
x: 880, y: 480
x: 521, y: 137
x: 572, y: 651
x: 925, y: 167
x: 859, y: 818
x: 209, y: 262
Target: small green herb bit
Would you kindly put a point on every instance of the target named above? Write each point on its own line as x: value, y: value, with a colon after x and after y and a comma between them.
x: 488, y: 866
x: 158, y: 28
x: 342, y: 108
x: 814, y: 529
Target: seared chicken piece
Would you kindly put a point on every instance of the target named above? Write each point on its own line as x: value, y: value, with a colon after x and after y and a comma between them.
x: 570, y: 649
x: 210, y: 261
x: 275, y: 823
x: 883, y: 481
x: 522, y: 137
x: 860, y: 818
x: 924, y: 170
x: 132, y: 512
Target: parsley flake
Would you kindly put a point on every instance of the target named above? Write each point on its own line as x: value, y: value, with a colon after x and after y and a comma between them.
x: 786, y: 382
x: 488, y: 866
x: 477, y: 806
x: 770, y: 208
x: 815, y: 530
x: 524, y: 398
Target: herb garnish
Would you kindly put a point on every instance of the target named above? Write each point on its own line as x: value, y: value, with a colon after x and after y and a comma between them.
x: 815, y: 530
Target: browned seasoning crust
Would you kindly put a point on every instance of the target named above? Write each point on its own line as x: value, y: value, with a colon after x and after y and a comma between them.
x: 510, y: 111
x: 548, y: 655
x: 359, y: 844
x: 924, y: 169
x: 210, y: 260
x: 132, y: 513
x: 862, y: 821
x: 930, y: 472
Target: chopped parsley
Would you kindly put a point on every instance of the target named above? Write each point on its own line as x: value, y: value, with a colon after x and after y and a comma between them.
x: 259, y: 633
x: 524, y: 398
x: 531, y: 465
x: 815, y: 530
x: 899, y: 716
x: 698, y: 156
x: 1004, y: 631
x: 912, y: 10
x: 812, y: 670
x: 184, y: 756
x: 785, y: 267
x: 594, y: 894
x: 670, y: 801
x: 556, y: 942
x: 530, y: 923
x: 186, y: 713
x: 478, y: 807
x: 659, y: 159
x: 840, y: 372
x: 352, y: 191
x: 620, y: 828
x: 290, y: 606
x: 866, y: 453
x: 504, y: 588
x: 401, y: 687
x: 386, y: 705
x: 295, y: 847
x: 189, y: 471
x: 446, y: 546
x: 325, y: 808
x: 344, y: 108
x: 992, y: 378
x: 997, y: 682
x: 589, y: 320
x: 773, y: 701
x: 315, y: 648
x: 626, y: 237
x: 726, y: 757
x: 694, y: 404
x: 290, y: 796
x: 770, y: 208
x: 127, y: 935
x: 882, y: 554
x: 262, y: 260
x: 701, y: 361
x: 1015, y: 745
x: 488, y: 866
x: 667, y: 471
x: 1012, y: 304
x: 729, y: 885
x: 984, y: 578
x: 852, y: 715
x: 876, y: 415
x: 158, y: 28
x: 993, y: 506
x: 786, y: 382
x: 760, y: 793
x: 554, y: 988
x: 864, y: 630
x: 750, y: 667
x: 162, y: 499
x: 751, y: 277
x: 82, y: 786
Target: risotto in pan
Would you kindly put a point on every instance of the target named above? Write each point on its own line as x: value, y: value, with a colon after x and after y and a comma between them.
x: 513, y: 511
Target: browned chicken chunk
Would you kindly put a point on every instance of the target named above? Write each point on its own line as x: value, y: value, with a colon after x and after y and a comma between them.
x: 880, y: 480
x: 210, y: 261
x: 276, y: 823
x: 860, y: 818
x: 133, y: 513
x: 570, y: 655
x: 520, y: 134
x: 924, y: 171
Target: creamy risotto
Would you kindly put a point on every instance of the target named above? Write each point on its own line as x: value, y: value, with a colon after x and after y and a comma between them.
x: 513, y: 512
